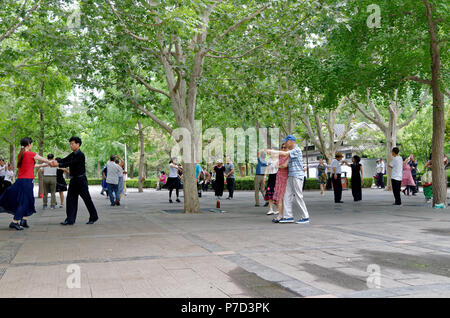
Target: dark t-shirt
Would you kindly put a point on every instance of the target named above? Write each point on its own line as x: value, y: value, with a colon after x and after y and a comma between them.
x: 219, y: 173
x: 356, y: 171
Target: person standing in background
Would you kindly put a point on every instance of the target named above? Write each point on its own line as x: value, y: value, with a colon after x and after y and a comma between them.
x: 407, y: 178
x: 357, y: 177
x: 280, y: 183
x: 336, y: 177
x: 112, y: 179
x: 229, y: 175
x: 219, y: 169
x: 381, y: 170
x: 49, y: 174
x: 271, y: 170
x: 104, y: 184
x: 413, y: 164
x: 396, y: 166
x: 9, y: 177
x: 260, y: 181
x: 3, y: 169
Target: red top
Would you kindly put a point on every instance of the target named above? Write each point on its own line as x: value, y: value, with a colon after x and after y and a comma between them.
x: 26, y: 170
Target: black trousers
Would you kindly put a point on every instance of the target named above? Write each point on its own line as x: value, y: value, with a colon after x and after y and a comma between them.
x: 396, y: 187
x: 78, y: 186
x: 337, y: 187
x: 230, y: 187
x: 356, y: 189
x: 380, y: 180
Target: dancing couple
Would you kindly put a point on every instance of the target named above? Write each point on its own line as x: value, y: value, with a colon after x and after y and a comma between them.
x: 19, y: 198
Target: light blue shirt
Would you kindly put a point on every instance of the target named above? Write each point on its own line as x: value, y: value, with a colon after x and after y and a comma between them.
x: 296, y: 163
x: 198, y: 169
x: 261, y: 166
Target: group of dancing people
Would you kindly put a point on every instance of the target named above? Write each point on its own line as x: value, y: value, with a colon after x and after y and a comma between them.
x: 18, y: 199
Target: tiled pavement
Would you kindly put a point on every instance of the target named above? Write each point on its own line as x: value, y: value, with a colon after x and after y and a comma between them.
x: 137, y: 250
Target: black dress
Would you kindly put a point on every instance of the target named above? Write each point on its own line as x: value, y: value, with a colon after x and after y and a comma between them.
x: 61, y: 184
x: 356, y: 182
x: 220, y: 180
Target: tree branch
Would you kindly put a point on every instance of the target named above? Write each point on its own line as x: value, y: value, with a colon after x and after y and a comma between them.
x: 414, y: 114
x: 14, y: 26
x: 417, y: 79
x: 150, y: 88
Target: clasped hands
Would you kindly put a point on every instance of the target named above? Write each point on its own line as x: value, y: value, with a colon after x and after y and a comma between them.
x: 53, y: 163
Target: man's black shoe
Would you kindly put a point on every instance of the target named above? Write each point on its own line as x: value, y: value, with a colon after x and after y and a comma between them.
x: 178, y: 200
x: 16, y: 226
x: 91, y: 222
x: 339, y: 202
x: 24, y: 223
x: 66, y: 223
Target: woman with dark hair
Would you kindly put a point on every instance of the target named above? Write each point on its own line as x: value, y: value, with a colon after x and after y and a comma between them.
x: 19, y: 198
x: 357, y: 177
x: 61, y: 185
x: 173, y: 181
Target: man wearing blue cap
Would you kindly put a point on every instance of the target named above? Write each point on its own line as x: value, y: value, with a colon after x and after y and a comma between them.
x: 294, y: 187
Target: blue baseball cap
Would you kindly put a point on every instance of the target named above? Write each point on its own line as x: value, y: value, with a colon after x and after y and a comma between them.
x: 290, y: 137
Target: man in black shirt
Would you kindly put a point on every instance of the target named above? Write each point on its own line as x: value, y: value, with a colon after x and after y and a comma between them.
x: 78, y: 185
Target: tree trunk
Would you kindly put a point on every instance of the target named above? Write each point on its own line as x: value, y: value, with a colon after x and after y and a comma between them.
x: 99, y: 169
x: 141, y: 156
x: 438, y: 170
x: 12, y: 147
x: 41, y: 144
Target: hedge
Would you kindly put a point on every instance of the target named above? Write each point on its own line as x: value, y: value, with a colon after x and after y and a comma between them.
x: 241, y: 183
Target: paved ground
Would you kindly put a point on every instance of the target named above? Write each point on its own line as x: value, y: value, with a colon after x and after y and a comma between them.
x: 137, y: 250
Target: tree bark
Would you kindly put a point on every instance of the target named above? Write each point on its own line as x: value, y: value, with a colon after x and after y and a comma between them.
x: 438, y: 170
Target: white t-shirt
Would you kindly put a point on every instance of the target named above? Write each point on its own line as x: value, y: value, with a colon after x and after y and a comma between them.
x: 272, y: 165
x: 336, y: 164
x: 9, y: 175
x: 173, y: 172
x: 50, y: 171
x: 397, y: 168
x: 380, y: 167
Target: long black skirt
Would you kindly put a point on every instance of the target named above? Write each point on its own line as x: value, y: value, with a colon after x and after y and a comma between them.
x: 173, y: 183
x: 18, y: 199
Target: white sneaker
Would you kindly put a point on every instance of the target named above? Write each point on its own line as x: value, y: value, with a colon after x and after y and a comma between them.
x: 270, y: 212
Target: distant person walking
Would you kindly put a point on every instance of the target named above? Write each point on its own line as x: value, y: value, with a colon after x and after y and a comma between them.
x: 321, y: 174
x: 336, y: 177
x: 381, y: 171
x: 396, y: 166
x: 3, y: 169
x: 357, y: 177
x: 112, y: 180
x: 9, y: 177
x: 260, y: 182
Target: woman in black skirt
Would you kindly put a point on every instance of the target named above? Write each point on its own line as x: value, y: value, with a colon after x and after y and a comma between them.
x: 61, y: 185
x: 357, y: 176
x: 219, y: 169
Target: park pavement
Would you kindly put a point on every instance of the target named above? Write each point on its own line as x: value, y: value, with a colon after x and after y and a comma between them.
x: 144, y: 248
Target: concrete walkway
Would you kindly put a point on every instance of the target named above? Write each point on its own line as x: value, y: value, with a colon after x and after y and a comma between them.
x: 363, y: 249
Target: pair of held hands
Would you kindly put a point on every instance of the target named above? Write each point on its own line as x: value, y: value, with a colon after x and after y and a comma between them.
x: 53, y: 163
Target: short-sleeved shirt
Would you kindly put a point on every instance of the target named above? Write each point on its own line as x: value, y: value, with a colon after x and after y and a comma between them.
x: 273, y: 166
x: 26, y: 170
x: 296, y: 163
x: 50, y: 171
x: 173, y: 172
x: 228, y: 168
x: 198, y: 169
x: 336, y: 164
x: 114, y: 171
x: 380, y: 167
x: 261, y: 166
x: 397, y: 168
